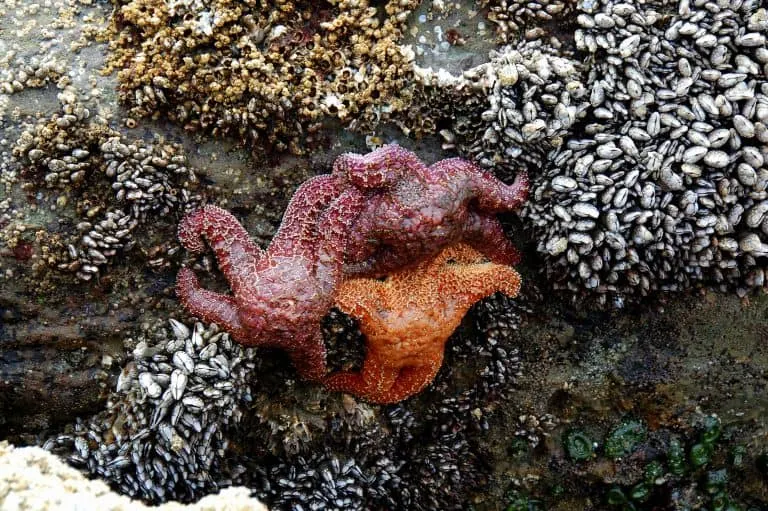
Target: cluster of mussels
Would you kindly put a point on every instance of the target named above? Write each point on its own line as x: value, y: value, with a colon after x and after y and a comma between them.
x: 647, y: 141
x: 269, y: 70
x: 70, y: 153
x: 664, y: 187
x: 531, y: 19
x: 186, y: 394
x: 533, y: 97
x: 412, y: 459
x: 163, y: 434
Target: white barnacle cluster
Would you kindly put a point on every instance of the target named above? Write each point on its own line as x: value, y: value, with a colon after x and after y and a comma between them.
x: 663, y: 186
x: 163, y: 434
x: 19, y: 73
x: 271, y: 71
x: 530, y: 97
x: 512, y: 17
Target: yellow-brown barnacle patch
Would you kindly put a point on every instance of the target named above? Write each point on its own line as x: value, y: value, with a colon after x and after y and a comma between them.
x: 317, y: 41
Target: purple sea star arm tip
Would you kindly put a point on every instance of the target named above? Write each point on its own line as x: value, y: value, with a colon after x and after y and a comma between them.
x: 209, y: 306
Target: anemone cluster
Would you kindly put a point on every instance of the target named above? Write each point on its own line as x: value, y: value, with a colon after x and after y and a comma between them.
x: 647, y: 139
x: 264, y: 70
x: 134, y: 180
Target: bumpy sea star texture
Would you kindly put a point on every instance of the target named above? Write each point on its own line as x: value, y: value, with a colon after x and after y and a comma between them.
x: 279, y: 296
x: 379, y: 213
x: 412, y: 211
x: 408, y: 317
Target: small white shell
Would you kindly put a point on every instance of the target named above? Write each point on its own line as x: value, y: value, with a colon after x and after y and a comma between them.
x: 563, y: 184
x: 556, y: 246
x: 716, y: 159
x: 585, y: 210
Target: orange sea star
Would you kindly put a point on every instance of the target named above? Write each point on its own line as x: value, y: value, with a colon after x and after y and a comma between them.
x: 408, y: 317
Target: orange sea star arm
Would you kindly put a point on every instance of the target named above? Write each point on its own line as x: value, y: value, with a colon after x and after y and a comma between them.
x: 414, y: 379
x: 371, y: 383
x: 360, y: 298
x: 378, y: 383
x: 470, y: 283
x: 460, y: 253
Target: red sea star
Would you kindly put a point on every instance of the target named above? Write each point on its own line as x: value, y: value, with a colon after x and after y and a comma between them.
x: 408, y: 318
x: 279, y: 296
x: 379, y: 212
x: 412, y: 211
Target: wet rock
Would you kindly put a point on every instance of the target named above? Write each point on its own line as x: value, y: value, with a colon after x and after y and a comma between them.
x: 53, y: 368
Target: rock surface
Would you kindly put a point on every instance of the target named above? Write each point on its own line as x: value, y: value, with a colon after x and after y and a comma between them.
x: 32, y: 478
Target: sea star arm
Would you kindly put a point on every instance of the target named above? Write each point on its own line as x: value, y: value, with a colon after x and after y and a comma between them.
x: 495, y: 196
x: 227, y: 238
x: 378, y: 169
x: 358, y: 298
x: 458, y: 253
x: 485, y: 234
x: 371, y: 384
x: 491, y: 195
x: 308, y: 357
x: 209, y: 306
x: 297, y: 231
x: 413, y: 379
x: 358, y: 270
x: 333, y: 233
x: 385, y: 260
x: 469, y: 283
x: 381, y: 385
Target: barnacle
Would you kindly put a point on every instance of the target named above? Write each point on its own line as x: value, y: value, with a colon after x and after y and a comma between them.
x: 261, y: 70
